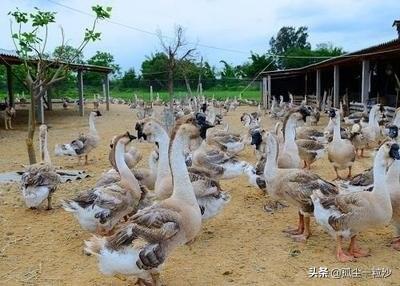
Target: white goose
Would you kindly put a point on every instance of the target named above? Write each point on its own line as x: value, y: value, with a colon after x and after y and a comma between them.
x: 84, y: 144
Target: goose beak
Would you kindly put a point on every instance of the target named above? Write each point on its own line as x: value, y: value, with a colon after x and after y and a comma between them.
x: 131, y: 137
x: 394, y: 151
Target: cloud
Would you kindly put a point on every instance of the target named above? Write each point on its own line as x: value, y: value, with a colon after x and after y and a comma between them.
x: 244, y: 25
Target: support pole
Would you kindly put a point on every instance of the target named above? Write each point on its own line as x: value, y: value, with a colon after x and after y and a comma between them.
x: 305, y: 85
x: 265, y: 93
x: 365, y: 81
x: 107, y: 89
x: 80, y: 93
x: 151, y: 93
x: 10, y: 85
x: 336, y: 86
x: 318, y: 88
x: 269, y: 96
x: 49, y: 96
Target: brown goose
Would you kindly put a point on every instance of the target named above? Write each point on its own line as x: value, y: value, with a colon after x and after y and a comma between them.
x: 149, y: 237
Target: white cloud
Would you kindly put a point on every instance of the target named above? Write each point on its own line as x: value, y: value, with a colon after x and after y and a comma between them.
x: 241, y: 25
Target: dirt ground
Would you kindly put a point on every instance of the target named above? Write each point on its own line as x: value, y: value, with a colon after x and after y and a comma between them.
x: 244, y: 245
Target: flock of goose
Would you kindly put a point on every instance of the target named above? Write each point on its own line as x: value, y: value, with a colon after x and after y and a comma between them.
x: 140, y: 215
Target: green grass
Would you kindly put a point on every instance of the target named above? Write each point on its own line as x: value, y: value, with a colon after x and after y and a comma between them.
x: 145, y: 94
x: 219, y: 94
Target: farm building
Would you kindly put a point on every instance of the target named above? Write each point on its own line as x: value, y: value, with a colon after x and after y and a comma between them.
x: 368, y: 75
x: 11, y: 58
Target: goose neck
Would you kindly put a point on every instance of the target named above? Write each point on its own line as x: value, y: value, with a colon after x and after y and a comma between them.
x: 336, y: 130
x: 127, y: 177
x: 163, y: 169
x: 92, y: 127
x: 271, y: 164
x: 183, y: 188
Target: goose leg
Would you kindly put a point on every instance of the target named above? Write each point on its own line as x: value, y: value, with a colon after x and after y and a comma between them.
x: 305, y: 164
x: 86, y: 159
x: 355, y: 250
x: 306, y: 233
x: 349, y: 175
x: 340, y: 254
x: 156, y: 279
x: 49, y: 206
x: 337, y: 174
x: 299, y: 229
x: 79, y: 160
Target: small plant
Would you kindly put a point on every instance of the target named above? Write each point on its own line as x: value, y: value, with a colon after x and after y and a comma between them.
x: 30, y: 40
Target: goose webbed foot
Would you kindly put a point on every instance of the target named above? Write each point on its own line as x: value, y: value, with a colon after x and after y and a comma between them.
x: 355, y: 250
x: 340, y: 254
x: 395, y: 244
x: 142, y: 282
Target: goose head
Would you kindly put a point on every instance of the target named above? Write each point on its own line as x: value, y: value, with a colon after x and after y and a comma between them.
x: 153, y: 130
x: 202, y: 123
x: 96, y: 113
x: 392, y: 131
x: 125, y: 139
x: 389, y: 152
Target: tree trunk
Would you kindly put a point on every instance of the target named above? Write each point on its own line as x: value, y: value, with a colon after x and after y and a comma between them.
x: 171, y: 86
x: 188, y: 85
x: 31, y: 129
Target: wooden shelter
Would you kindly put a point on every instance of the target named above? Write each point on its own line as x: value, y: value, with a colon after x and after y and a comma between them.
x: 370, y: 74
x: 10, y: 58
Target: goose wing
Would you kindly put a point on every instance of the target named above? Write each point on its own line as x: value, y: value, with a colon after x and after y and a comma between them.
x: 343, y: 207
x: 40, y: 175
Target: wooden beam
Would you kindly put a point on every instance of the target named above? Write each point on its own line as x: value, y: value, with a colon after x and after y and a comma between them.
x: 318, y: 87
x: 365, y: 81
x: 80, y: 93
x: 336, y: 78
x: 10, y: 89
x: 107, y: 90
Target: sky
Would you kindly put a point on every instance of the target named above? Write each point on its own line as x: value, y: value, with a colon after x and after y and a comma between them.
x: 234, y: 27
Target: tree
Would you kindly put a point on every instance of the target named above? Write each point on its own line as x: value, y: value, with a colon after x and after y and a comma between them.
x: 288, y: 39
x: 104, y: 59
x: 30, y: 41
x: 128, y: 80
x: 176, y: 52
x: 257, y: 64
x: 300, y: 57
x: 68, y: 54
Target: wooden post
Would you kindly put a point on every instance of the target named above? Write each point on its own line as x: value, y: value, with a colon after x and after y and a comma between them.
x: 336, y: 77
x: 49, y: 94
x: 107, y: 89
x: 10, y: 85
x: 305, y: 85
x: 264, y: 93
x: 201, y: 89
x: 151, y: 93
x: 365, y: 81
x: 318, y: 88
x: 80, y: 93
x: 269, y: 91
